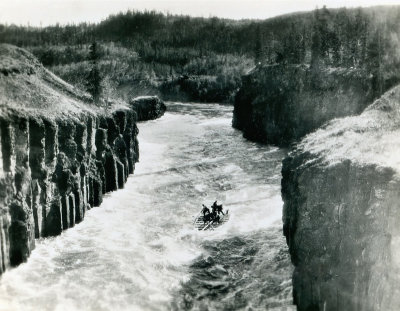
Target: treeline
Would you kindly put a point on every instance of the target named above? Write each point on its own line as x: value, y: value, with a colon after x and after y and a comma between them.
x: 363, y: 39
x: 205, y: 57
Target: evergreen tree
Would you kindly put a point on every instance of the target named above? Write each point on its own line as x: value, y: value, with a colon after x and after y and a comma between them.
x: 336, y: 50
x: 258, y: 45
x: 321, y: 38
x: 93, y: 79
x: 270, y: 53
x: 291, y: 46
x: 375, y: 53
x: 361, y: 34
x: 339, y: 37
x: 323, y: 27
x: 302, y: 46
x: 316, y: 45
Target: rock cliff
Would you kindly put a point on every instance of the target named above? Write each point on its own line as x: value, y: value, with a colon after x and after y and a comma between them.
x: 148, y: 107
x: 341, y: 192
x: 59, y: 154
x: 279, y: 104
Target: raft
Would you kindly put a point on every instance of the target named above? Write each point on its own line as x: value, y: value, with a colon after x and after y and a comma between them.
x: 210, y: 225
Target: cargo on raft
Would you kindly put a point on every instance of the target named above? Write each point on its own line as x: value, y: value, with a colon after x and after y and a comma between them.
x: 209, y: 225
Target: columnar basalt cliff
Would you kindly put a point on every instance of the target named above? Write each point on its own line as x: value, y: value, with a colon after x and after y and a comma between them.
x: 59, y: 154
x: 341, y: 192
x: 279, y: 104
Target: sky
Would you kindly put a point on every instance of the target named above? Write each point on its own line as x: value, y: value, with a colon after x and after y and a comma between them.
x: 47, y: 12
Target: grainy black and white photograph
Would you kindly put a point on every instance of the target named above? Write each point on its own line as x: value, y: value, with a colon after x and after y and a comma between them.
x: 205, y: 155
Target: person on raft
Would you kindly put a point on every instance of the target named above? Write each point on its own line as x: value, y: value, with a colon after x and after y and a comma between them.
x: 216, y: 218
x: 212, y: 215
x: 217, y: 208
x: 205, y: 210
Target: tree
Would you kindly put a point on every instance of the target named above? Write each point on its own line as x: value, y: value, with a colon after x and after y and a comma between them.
x: 93, y: 79
x: 294, y: 46
x: 323, y: 26
x: 336, y: 50
x: 316, y: 48
x: 320, y: 38
x: 302, y: 46
x: 375, y: 52
x: 258, y: 45
x: 361, y: 33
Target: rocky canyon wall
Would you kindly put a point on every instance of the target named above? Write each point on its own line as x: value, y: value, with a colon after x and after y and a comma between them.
x: 341, y: 192
x: 59, y: 154
x: 279, y: 104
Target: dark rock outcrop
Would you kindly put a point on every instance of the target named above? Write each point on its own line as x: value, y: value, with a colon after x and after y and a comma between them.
x: 59, y: 154
x: 279, y: 104
x: 148, y: 107
x: 341, y: 192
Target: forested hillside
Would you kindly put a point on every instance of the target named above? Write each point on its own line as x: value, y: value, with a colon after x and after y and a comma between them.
x: 181, y: 57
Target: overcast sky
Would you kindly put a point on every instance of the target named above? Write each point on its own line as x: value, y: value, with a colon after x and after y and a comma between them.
x: 45, y: 12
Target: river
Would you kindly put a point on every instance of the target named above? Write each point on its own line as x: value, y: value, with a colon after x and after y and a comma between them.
x: 139, y: 250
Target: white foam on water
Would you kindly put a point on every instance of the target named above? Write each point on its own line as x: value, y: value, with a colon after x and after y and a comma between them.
x: 216, y: 122
x: 133, y: 252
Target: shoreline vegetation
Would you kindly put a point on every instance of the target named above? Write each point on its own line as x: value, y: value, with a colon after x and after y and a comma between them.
x: 203, y: 59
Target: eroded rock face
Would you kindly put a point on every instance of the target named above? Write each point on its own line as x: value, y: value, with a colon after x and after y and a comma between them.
x: 52, y: 173
x: 148, y: 107
x: 58, y: 154
x: 279, y: 104
x: 341, y: 192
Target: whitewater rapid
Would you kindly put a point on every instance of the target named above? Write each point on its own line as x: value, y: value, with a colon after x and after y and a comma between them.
x: 139, y: 250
